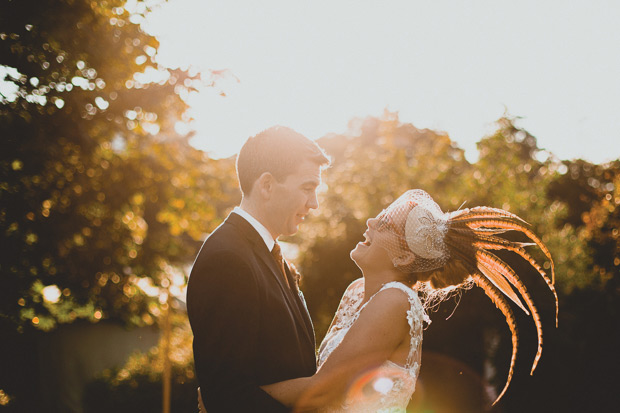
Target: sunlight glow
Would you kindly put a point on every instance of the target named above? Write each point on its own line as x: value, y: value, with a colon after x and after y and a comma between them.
x: 4, y: 398
x: 375, y: 383
x: 8, y: 89
x: 146, y: 285
x: 51, y: 294
x: 449, y: 66
x: 383, y: 385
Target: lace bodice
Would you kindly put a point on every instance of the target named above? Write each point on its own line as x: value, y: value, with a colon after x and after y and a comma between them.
x: 388, y: 388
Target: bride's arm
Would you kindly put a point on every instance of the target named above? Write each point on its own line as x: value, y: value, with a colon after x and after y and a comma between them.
x: 379, y: 330
x: 289, y: 392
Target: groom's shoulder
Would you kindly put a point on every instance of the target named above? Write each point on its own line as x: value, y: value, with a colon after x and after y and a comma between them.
x: 221, y: 242
x: 225, y: 243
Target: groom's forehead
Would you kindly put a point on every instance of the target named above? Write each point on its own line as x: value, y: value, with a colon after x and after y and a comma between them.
x: 308, y: 172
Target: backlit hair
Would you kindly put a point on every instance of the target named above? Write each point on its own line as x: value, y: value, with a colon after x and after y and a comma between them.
x: 278, y: 150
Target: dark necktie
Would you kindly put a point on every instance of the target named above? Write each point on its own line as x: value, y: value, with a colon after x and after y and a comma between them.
x: 277, y: 255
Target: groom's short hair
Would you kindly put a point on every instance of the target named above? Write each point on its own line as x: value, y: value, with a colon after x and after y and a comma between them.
x: 278, y: 150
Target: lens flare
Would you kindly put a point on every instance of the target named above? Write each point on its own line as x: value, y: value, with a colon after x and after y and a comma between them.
x: 374, y: 384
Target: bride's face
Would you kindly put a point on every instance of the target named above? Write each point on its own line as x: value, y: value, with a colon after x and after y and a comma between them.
x: 371, y: 254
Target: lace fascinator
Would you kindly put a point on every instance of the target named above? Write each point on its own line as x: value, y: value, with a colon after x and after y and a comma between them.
x: 456, y: 247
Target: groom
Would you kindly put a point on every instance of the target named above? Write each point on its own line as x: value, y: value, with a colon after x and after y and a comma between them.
x: 249, y: 319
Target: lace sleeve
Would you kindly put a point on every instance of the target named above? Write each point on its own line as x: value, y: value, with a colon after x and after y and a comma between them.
x: 350, y: 299
x: 349, y: 303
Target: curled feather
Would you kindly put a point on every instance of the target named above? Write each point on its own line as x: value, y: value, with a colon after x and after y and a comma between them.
x: 509, y: 224
x: 517, y: 247
x: 500, y: 303
x: 484, y: 212
x: 472, y: 235
x: 499, y: 265
x: 500, y: 282
x: 476, y: 232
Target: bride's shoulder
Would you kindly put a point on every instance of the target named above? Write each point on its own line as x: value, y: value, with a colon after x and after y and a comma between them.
x: 353, y: 294
x: 356, y: 284
x: 386, y: 308
x: 396, y: 285
x: 355, y: 288
x: 396, y: 299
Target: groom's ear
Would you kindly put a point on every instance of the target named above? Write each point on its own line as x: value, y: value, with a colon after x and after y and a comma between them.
x: 264, y: 185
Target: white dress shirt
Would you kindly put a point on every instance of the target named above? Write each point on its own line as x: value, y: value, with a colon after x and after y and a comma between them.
x: 260, y: 228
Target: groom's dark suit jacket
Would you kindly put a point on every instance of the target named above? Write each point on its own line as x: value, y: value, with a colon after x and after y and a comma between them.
x: 249, y: 327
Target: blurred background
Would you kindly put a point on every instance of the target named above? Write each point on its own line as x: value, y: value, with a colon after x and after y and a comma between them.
x: 109, y: 185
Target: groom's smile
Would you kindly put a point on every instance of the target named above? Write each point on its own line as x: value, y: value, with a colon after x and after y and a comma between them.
x: 295, y: 197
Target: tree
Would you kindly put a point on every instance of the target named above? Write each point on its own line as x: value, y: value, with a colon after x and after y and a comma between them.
x: 102, y: 201
x: 100, y: 195
x: 591, y: 327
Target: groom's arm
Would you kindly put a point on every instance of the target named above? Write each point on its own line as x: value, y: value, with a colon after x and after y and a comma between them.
x: 222, y: 302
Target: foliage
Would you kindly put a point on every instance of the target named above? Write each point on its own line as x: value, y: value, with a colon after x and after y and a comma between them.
x: 102, y: 202
x: 592, y: 198
x: 100, y: 195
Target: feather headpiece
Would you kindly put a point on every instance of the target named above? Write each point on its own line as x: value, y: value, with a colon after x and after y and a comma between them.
x: 455, y: 247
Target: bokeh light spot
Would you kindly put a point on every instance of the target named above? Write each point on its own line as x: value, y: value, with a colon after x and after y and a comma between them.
x: 51, y: 294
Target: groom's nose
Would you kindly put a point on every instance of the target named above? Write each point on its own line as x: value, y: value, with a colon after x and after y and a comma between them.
x: 313, y: 201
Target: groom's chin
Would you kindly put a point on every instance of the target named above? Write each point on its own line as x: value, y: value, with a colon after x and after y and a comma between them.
x: 291, y: 231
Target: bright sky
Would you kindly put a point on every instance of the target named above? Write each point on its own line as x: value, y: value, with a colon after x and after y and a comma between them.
x: 453, y: 66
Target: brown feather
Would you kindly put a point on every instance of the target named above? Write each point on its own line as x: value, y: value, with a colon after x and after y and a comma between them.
x: 472, y: 232
x: 500, y: 303
x: 500, y: 282
x: 462, y: 228
x: 492, y: 243
x: 485, y: 212
x: 499, y: 265
x: 505, y: 223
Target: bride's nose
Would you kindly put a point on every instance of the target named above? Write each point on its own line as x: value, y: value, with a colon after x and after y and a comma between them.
x: 371, y: 222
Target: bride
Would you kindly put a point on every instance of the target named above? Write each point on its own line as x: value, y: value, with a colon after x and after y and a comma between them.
x: 370, y: 358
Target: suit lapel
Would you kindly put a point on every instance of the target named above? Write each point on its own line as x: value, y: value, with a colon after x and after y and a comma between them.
x: 300, y: 303
x: 258, y: 245
x: 292, y: 298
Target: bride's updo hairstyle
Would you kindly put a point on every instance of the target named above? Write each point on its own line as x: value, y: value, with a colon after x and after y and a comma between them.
x: 454, y: 249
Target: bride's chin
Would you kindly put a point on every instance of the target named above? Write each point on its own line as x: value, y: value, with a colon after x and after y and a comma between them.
x: 356, y: 255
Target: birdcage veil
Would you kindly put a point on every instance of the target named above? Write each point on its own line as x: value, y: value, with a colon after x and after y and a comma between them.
x: 418, y: 228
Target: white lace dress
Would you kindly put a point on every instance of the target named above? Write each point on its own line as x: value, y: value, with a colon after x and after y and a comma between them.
x: 388, y: 388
